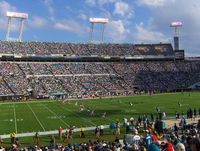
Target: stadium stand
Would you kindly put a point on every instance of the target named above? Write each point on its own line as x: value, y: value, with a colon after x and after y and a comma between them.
x: 87, y: 78
x: 30, y: 76
x: 72, y: 49
x: 84, y: 78
x: 153, y: 49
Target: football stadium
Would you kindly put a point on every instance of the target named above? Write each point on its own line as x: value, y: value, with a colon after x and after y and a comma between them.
x: 79, y: 95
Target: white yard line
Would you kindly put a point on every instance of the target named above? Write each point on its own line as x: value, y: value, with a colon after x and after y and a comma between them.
x: 55, y: 115
x: 77, y: 115
x: 35, y: 116
x: 15, y: 119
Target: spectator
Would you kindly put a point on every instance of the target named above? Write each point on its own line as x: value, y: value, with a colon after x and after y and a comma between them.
x: 180, y: 147
x: 12, y: 135
x: 60, y: 133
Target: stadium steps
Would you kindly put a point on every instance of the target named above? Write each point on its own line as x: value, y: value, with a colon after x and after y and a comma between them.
x: 190, y: 76
x: 31, y: 47
x: 20, y: 69
x: 4, y: 81
x: 49, y: 69
x: 71, y: 49
x: 185, y: 73
x: 112, y: 69
x: 103, y: 86
x: 156, y: 76
x: 60, y: 81
x: 29, y: 68
x: 63, y: 86
x: 23, y: 73
x: 119, y: 83
x: 144, y: 82
x: 129, y: 86
x: 68, y: 68
x: 164, y: 67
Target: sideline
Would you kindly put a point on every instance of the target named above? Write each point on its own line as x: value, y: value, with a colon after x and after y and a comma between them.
x: 95, y: 98
x: 51, y: 132
x: 171, y: 121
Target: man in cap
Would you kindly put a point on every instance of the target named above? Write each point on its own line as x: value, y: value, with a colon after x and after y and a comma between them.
x: 147, y: 139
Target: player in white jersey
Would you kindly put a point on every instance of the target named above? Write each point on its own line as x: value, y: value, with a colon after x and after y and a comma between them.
x: 179, y: 104
x: 76, y: 103
x: 164, y: 115
x: 136, y: 141
x: 125, y: 121
x: 81, y: 107
x: 88, y: 109
x: 157, y: 109
x: 92, y: 113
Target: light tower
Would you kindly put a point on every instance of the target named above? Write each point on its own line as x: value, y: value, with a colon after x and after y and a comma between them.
x: 176, y: 35
x: 22, y: 16
x: 103, y: 21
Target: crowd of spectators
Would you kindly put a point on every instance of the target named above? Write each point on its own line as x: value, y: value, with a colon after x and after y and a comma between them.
x: 72, y: 49
x: 5, y: 47
x: 13, y: 78
x: 86, y: 79
x: 142, y: 134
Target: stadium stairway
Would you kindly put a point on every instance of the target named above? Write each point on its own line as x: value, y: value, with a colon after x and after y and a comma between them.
x: 63, y: 86
x: 144, y: 82
x: 30, y: 47
x: 160, y: 80
x: 71, y: 49
x: 20, y: 70
x: 112, y: 69
x: 164, y: 67
x: 156, y: 76
x: 7, y: 85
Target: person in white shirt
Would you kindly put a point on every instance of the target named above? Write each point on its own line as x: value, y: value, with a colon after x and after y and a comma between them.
x: 125, y: 121
x: 101, y: 130
x: 131, y: 120
x: 136, y: 140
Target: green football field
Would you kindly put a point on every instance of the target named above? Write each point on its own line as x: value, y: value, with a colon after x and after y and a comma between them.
x: 24, y: 117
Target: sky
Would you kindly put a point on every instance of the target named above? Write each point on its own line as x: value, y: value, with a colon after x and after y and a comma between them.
x: 130, y: 21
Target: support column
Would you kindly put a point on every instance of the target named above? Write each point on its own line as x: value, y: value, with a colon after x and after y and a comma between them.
x: 8, y: 29
x: 91, y: 31
x: 21, y: 29
x: 102, y: 32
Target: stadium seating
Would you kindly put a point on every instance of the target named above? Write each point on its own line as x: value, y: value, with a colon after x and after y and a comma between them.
x: 89, y: 78
x: 72, y: 49
x: 93, y: 78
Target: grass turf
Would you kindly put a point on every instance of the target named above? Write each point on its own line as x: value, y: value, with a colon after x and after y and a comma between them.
x: 35, y: 116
